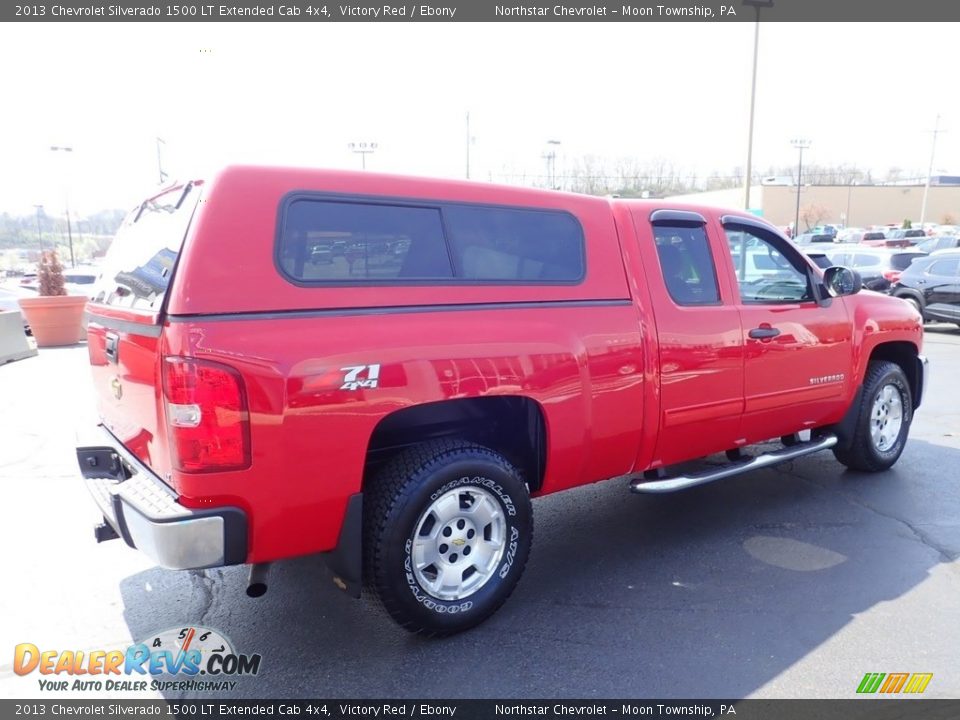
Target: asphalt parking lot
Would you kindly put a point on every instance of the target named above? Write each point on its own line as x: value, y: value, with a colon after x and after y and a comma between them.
x: 790, y: 582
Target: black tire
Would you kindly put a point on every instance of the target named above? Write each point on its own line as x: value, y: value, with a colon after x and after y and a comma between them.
x: 863, y: 453
x: 395, y: 514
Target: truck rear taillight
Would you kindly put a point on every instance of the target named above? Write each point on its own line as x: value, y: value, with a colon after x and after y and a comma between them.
x: 207, y: 417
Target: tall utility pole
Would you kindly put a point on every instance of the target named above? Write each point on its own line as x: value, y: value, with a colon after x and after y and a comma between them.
x: 163, y: 175
x: 39, y: 234
x: 551, y: 157
x: 846, y: 217
x: 800, y: 144
x: 362, y: 149
x: 933, y: 152
x: 66, y: 192
x: 757, y: 4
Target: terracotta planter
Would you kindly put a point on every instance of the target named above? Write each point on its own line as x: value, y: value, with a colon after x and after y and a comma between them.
x: 54, y: 320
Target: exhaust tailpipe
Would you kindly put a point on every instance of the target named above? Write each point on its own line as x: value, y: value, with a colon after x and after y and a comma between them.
x: 257, y: 582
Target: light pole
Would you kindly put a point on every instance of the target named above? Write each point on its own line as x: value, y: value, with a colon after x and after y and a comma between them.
x: 926, y: 187
x: 800, y: 144
x: 362, y: 149
x: 846, y: 217
x: 551, y: 157
x: 66, y: 202
x: 756, y: 5
x: 39, y: 234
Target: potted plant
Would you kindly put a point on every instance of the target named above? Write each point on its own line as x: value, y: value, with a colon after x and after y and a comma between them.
x: 54, y: 317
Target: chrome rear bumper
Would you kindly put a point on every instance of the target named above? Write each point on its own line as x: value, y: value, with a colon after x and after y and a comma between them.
x: 146, y: 513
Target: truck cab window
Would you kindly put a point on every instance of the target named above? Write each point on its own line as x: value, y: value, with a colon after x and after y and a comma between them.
x: 687, y: 264
x: 767, y: 271
x: 355, y: 243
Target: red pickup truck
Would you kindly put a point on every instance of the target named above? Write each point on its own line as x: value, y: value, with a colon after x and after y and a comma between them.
x: 387, y: 369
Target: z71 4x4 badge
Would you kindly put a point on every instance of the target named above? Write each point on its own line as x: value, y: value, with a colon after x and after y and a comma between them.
x: 353, y: 380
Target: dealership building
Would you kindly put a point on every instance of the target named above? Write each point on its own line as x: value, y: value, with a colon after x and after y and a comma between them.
x: 847, y: 205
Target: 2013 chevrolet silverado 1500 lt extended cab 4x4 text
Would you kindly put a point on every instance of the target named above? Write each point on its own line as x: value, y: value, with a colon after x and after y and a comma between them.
x: 387, y: 369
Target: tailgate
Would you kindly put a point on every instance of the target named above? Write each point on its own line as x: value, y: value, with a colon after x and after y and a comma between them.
x: 126, y: 320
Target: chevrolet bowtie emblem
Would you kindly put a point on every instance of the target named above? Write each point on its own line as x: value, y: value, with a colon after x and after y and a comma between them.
x: 116, y: 387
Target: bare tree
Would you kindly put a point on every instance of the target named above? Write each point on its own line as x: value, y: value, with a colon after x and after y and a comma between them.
x: 813, y: 214
x: 632, y: 176
x: 588, y: 175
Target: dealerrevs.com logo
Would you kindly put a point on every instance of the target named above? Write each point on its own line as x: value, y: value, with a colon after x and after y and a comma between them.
x: 894, y: 683
x: 184, y: 659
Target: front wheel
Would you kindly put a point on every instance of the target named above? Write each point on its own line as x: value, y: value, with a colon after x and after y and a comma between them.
x: 883, y: 420
x: 447, y: 531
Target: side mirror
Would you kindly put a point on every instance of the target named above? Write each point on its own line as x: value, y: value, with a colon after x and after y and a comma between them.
x: 841, y: 281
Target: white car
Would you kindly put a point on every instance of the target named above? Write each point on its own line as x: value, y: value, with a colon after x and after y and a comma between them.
x: 760, y: 264
x: 80, y: 280
x: 851, y: 234
x: 938, y: 243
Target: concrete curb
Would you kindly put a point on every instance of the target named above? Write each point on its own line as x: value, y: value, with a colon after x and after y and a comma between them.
x: 13, y: 341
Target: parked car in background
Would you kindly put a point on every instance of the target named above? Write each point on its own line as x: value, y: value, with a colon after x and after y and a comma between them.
x: 809, y: 237
x: 942, y: 242
x: 869, y: 237
x: 878, y: 267
x: 850, y: 234
x: 819, y: 257
x: 946, y: 230
x: 888, y: 240
x: 76, y: 281
x: 932, y: 286
x: 912, y: 235
x: 29, y: 281
x: 831, y: 230
x: 80, y: 280
x: 759, y: 265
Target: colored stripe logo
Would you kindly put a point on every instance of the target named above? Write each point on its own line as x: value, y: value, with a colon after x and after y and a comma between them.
x: 893, y: 683
x: 918, y: 682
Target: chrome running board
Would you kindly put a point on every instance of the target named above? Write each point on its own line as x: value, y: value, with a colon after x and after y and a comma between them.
x: 682, y: 482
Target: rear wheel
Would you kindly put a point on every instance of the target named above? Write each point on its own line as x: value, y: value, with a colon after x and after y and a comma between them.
x: 447, y: 531
x: 883, y: 421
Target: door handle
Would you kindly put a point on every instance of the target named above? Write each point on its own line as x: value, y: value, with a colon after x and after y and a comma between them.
x: 764, y: 333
